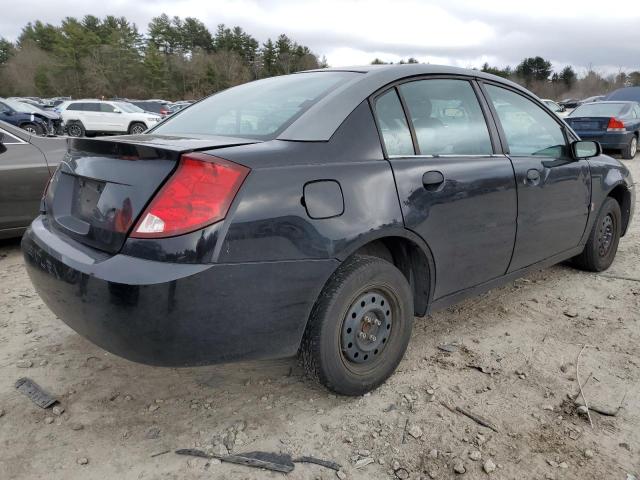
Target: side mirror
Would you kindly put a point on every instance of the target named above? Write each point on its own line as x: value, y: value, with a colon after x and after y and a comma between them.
x: 585, y: 149
x: 3, y: 148
x: 117, y: 110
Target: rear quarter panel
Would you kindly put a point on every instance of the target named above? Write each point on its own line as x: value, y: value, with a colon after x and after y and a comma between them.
x: 270, y: 221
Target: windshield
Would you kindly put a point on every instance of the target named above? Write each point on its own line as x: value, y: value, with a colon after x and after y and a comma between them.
x: 600, y: 109
x: 128, y: 107
x: 260, y: 109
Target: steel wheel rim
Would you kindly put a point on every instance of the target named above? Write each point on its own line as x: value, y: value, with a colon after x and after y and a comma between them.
x: 366, y: 328
x: 31, y: 130
x: 605, y: 235
x: 634, y: 146
x: 137, y: 130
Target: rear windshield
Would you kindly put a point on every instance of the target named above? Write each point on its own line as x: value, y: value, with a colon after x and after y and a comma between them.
x: 259, y: 110
x: 600, y: 109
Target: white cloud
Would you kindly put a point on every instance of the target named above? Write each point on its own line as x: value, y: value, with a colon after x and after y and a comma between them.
x: 350, y: 32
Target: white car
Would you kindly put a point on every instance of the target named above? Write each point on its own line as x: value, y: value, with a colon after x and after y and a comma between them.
x: 556, y: 108
x: 83, y: 117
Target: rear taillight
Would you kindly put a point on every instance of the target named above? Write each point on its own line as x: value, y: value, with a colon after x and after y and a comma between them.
x: 615, y: 125
x: 198, y: 194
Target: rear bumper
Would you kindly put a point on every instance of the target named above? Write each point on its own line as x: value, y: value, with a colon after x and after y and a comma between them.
x: 611, y: 140
x: 174, y: 314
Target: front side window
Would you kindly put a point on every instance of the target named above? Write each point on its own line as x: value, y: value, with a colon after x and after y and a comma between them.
x: 446, y: 117
x: 530, y: 130
x: 259, y: 110
x: 91, y: 107
x: 393, y: 124
x: 106, y: 108
x: 75, y: 107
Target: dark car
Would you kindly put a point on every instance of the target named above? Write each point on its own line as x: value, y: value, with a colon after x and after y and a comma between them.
x: 151, y: 106
x: 628, y: 94
x: 17, y: 114
x: 318, y: 213
x: 616, y: 125
x: 26, y: 163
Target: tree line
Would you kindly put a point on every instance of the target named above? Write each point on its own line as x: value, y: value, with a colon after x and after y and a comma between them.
x: 176, y: 59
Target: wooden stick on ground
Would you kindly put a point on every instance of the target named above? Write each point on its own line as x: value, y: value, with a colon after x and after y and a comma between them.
x: 586, y: 405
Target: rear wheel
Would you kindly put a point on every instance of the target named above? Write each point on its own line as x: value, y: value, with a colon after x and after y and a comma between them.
x: 137, y: 128
x: 75, y: 129
x: 33, y: 129
x: 360, y: 326
x: 631, y: 149
x: 602, y: 245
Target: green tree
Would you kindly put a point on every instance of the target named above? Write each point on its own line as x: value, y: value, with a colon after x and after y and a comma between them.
x: 568, y: 77
x: 6, y: 50
x: 533, y: 69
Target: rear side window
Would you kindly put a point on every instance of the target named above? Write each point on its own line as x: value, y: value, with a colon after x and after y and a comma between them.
x: 393, y: 124
x: 529, y: 129
x: 91, y: 107
x: 260, y: 110
x: 447, y: 117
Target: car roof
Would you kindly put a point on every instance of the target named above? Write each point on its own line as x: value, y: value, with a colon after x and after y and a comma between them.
x: 324, y: 117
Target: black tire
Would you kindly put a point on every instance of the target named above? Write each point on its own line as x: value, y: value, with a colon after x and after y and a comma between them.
x: 325, y: 353
x: 76, y: 129
x: 136, y: 128
x: 33, y: 129
x: 602, y: 245
x: 631, y: 149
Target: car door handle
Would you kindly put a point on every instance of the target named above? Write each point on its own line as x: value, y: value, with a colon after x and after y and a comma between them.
x: 432, y: 179
x: 533, y: 175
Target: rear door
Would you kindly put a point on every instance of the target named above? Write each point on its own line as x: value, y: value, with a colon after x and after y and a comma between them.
x: 91, y: 117
x: 554, y: 190
x: 23, y: 176
x: 455, y: 190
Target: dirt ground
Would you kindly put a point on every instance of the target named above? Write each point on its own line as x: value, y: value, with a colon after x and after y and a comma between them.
x: 513, y: 362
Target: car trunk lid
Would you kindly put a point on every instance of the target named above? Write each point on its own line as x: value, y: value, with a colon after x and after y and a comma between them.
x: 103, y: 185
x: 588, y: 124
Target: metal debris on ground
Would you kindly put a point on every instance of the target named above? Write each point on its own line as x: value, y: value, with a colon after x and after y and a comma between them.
x: 276, y: 462
x: 37, y: 395
x: 449, y: 348
x: 318, y: 461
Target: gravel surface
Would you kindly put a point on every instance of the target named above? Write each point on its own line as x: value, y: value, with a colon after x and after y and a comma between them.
x: 510, y: 359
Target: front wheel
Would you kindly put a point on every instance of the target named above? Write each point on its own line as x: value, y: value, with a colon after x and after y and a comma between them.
x: 602, y: 245
x: 137, y: 128
x: 360, y: 326
x: 75, y: 129
x: 631, y: 149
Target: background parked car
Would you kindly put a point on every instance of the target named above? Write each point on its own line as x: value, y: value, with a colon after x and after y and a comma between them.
x: 555, y: 107
x: 153, y: 106
x: 89, y: 117
x: 30, y: 118
x: 595, y: 98
x: 629, y: 94
x: 616, y: 125
x: 26, y: 163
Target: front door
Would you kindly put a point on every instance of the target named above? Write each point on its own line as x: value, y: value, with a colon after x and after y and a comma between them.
x: 454, y: 191
x: 554, y: 190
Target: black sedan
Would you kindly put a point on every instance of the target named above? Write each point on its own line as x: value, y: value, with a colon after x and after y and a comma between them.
x: 317, y: 214
x: 616, y: 125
